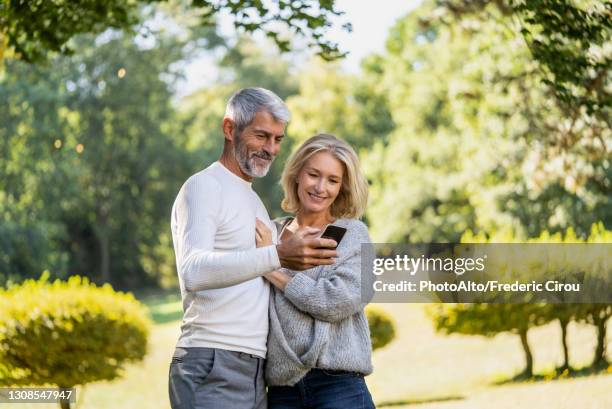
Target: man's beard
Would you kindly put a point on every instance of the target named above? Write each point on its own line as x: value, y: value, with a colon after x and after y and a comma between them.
x: 247, y: 162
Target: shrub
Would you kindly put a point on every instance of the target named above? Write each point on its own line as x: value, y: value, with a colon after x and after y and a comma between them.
x: 382, y: 328
x: 68, y: 333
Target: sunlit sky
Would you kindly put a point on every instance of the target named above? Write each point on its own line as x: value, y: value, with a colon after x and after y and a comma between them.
x: 371, y: 22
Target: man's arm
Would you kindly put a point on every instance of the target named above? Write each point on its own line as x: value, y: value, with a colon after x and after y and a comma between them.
x: 334, y: 297
x: 197, y: 209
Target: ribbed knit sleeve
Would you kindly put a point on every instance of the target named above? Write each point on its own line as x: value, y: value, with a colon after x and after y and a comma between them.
x: 338, y: 295
x: 196, y: 215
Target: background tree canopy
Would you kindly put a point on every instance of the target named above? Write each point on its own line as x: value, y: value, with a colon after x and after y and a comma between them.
x: 31, y: 28
x: 481, y: 139
x: 468, y: 120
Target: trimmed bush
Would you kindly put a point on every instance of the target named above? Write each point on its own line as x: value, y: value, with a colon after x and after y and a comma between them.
x: 68, y: 333
x: 382, y: 328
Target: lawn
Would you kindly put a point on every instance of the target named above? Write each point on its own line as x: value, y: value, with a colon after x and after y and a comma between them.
x: 419, y: 368
x: 460, y: 372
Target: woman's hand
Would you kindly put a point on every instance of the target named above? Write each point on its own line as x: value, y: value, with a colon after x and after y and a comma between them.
x: 263, y: 235
x: 278, y: 278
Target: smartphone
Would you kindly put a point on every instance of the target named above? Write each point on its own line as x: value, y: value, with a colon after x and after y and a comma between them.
x: 333, y: 232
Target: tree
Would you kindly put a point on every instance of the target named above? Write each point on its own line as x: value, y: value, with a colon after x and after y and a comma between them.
x: 242, y: 65
x: 32, y: 29
x: 567, y: 43
x: 598, y: 314
x: 96, y: 139
x: 32, y: 119
x: 124, y: 178
x: 434, y: 172
x: 567, y: 38
x: 348, y: 106
x: 471, y: 142
x: 68, y: 333
x: 489, y: 320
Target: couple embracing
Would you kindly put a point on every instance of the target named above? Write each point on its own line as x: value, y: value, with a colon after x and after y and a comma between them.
x: 271, y: 303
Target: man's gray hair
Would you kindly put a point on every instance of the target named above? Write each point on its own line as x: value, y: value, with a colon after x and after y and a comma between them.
x: 245, y: 103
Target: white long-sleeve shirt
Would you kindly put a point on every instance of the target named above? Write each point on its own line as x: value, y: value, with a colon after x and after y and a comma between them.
x: 225, y: 299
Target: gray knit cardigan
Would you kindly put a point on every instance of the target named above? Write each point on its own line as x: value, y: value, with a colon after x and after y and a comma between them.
x: 319, y: 322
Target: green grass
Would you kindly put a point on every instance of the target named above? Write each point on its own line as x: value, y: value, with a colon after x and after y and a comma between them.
x: 419, y: 368
x: 459, y: 372
x: 163, y: 306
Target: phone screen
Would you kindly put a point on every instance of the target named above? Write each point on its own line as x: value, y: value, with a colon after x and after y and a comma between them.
x: 333, y: 232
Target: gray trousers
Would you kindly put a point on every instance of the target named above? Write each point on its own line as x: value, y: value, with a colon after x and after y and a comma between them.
x: 211, y: 378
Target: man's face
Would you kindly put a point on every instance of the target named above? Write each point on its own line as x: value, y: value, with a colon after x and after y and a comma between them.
x: 258, y: 144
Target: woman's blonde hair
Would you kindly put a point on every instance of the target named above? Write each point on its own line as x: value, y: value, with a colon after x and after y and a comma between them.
x: 353, y: 196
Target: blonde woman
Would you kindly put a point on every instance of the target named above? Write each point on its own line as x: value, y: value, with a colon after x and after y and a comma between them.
x: 319, y: 347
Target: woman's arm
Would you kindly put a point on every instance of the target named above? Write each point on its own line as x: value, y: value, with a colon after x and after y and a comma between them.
x: 338, y: 296
x: 278, y: 279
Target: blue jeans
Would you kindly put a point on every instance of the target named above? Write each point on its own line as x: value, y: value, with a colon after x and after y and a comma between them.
x: 323, y: 389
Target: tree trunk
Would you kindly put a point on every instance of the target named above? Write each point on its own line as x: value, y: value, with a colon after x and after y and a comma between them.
x: 600, y: 351
x: 104, y: 258
x: 564, y: 324
x: 528, y: 356
x: 64, y: 404
x: 102, y: 234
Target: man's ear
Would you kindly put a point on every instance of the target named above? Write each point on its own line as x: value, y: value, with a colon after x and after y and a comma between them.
x: 228, y: 129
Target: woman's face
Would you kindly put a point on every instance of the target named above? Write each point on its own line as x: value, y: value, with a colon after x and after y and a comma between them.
x: 319, y: 182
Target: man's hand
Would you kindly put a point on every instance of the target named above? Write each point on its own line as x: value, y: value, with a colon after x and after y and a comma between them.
x: 306, y: 250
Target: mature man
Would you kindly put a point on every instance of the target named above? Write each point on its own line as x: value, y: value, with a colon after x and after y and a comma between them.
x: 218, y: 362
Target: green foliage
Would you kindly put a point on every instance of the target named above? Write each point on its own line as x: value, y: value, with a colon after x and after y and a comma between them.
x: 479, y: 141
x: 330, y: 101
x: 34, y: 28
x: 96, y: 150
x: 323, y: 104
x: 95, y: 140
x: 27, y: 248
x: 491, y: 319
x: 455, y: 129
x: 434, y: 173
x: 569, y: 40
x: 202, y: 112
x: 568, y: 158
x: 68, y: 333
x: 486, y: 319
x: 382, y: 328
